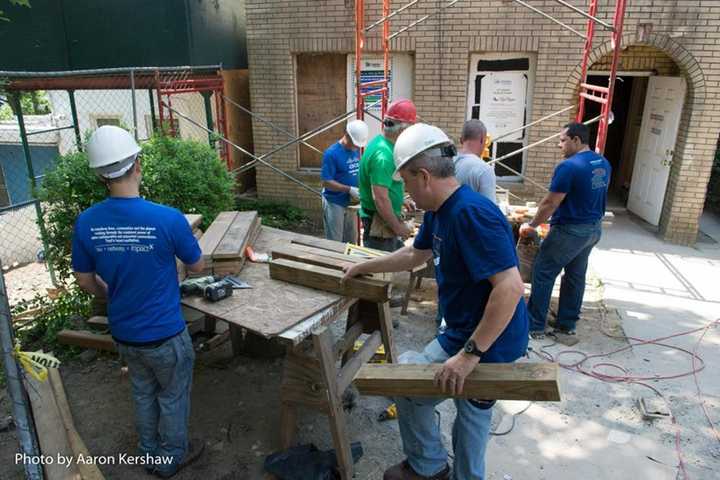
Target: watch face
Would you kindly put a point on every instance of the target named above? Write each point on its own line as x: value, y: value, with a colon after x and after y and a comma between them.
x: 470, y: 346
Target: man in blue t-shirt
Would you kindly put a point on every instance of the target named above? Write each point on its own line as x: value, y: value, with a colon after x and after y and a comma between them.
x: 479, y: 290
x: 339, y: 175
x: 124, y: 249
x: 575, y: 206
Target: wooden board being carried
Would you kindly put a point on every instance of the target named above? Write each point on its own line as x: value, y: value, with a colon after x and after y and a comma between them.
x: 490, y: 381
x: 85, y: 339
x: 329, y: 280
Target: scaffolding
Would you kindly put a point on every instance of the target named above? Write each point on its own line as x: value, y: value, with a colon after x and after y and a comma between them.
x: 381, y: 87
x: 596, y: 93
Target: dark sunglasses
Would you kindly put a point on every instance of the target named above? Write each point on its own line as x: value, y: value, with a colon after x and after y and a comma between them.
x: 389, y: 123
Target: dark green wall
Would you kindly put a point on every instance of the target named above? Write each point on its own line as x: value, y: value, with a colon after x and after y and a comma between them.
x: 85, y: 34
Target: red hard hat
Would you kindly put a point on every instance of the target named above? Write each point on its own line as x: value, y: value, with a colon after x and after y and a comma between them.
x: 402, y: 110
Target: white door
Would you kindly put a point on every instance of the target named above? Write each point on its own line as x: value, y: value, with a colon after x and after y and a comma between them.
x: 656, y: 145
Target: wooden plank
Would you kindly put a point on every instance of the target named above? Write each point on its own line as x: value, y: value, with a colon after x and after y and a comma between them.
x: 193, y: 219
x: 491, y: 381
x: 357, y: 360
x: 50, y: 430
x: 88, y: 471
x: 329, y: 280
x: 302, y: 256
x: 271, y: 307
x: 215, y: 233
x: 237, y: 236
x: 321, y: 243
x: 85, y: 339
x: 322, y: 342
x: 299, y: 332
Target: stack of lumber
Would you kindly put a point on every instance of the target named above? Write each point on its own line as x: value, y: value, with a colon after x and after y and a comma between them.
x: 194, y: 220
x: 317, y: 266
x: 223, y: 243
x: 56, y: 431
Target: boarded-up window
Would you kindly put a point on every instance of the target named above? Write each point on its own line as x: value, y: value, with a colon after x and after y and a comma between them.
x: 321, y: 96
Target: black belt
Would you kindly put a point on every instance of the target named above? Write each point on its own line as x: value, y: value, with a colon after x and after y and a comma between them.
x: 151, y: 344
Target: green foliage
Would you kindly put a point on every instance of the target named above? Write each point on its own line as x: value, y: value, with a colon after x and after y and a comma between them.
x: 21, y: 3
x: 32, y: 103
x: 66, y: 191
x: 275, y: 214
x: 712, y: 201
x: 184, y: 174
x: 187, y: 175
x: 54, y: 315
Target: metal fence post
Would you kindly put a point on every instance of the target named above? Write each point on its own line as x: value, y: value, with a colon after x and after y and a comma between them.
x: 15, y: 98
x: 209, y: 117
x: 76, y: 124
x: 134, y: 103
x: 26, y: 434
x: 152, y: 111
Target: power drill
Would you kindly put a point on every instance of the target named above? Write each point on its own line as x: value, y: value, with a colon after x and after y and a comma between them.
x: 211, y: 287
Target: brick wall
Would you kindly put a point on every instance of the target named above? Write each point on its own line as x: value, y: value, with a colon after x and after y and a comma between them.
x: 677, y: 37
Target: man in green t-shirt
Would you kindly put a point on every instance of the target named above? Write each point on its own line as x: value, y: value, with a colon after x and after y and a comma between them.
x: 381, y: 197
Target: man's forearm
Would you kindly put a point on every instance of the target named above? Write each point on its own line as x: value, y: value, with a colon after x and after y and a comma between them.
x: 499, y: 311
x: 544, y: 212
x: 95, y: 288
x: 401, y: 260
x: 336, y: 186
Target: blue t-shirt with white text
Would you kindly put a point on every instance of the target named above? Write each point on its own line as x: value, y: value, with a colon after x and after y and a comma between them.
x: 584, y: 178
x: 471, y: 241
x: 132, y: 244
x: 342, y: 165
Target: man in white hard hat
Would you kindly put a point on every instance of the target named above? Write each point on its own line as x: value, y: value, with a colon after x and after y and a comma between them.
x: 480, y: 291
x: 339, y: 175
x: 124, y: 249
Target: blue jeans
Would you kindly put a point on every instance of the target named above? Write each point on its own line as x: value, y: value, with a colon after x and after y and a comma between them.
x: 420, y: 428
x: 567, y: 247
x: 161, y: 378
x: 339, y: 222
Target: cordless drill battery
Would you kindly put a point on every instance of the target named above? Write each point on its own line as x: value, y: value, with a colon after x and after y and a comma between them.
x: 218, y: 290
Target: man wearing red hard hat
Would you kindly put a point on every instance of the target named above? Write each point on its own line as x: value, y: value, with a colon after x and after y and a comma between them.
x: 381, y: 196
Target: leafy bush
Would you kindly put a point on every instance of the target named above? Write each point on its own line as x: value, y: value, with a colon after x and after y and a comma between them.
x: 181, y: 173
x: 275, y: 214
x: 53, y: 315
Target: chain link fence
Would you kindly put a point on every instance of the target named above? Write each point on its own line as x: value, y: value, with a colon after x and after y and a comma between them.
x: 45, y: 116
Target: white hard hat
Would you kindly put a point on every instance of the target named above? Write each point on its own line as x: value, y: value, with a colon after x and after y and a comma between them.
x: 358, y: 132
x: 111, y: 151
x: 416, y: 139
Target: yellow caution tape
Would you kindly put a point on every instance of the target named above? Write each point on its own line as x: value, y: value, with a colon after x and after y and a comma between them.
x: 36, y: 363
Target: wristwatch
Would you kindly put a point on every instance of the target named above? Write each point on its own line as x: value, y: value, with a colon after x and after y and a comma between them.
x: 471, y: 349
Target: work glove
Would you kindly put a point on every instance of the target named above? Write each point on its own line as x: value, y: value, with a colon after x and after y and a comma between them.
x: 354, y: 193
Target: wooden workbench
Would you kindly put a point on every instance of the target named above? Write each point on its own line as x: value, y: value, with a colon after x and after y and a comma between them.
x: 299, y: 317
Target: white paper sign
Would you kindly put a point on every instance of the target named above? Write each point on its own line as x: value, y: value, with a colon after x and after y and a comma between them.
x: 502, y: 103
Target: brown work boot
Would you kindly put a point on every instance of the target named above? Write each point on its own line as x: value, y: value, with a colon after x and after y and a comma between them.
x: 403, y: 471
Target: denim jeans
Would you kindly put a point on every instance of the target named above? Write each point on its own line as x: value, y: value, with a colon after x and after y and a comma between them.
x: 339, y: 223
x: 420, y: 428
x: 384, y: 244
x: 161, y: 378
x: 567, y: 247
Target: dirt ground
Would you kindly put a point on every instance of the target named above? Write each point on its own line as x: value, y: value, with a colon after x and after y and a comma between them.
x: 235, y: 411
